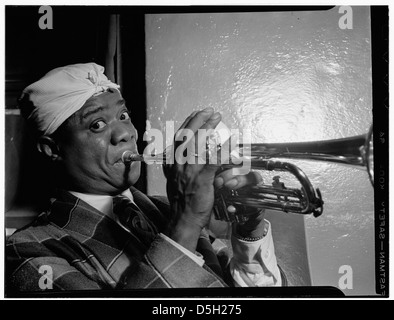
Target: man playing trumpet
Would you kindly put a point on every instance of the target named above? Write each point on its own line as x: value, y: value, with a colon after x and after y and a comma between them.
x: 83, y: 127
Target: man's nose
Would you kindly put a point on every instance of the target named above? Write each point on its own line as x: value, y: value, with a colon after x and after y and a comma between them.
x: 122, y: 132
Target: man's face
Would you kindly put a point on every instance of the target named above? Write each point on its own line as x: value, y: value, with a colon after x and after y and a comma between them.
x: 92, y: 143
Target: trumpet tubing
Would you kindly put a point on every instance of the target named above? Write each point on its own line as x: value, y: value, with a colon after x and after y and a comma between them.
x: 305, y: 200
x: 231, y: 205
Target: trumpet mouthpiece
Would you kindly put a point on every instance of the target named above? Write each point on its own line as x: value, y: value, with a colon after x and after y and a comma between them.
x: 129, y: 156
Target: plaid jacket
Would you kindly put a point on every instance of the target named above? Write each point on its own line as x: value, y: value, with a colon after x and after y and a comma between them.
x: 87, y: 250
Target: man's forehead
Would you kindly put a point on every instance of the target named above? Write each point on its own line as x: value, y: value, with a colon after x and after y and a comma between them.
x: 107, y: 97
x: 104, y: 100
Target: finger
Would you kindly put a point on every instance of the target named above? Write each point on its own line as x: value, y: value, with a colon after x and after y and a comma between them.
x: 231, y: 181
x: 182, y: 133
x: 195, y: 120
x: 187, y: 120
x: 206, y: 134
x: 201, y: 125
x: 222, y: 145
x: 199, y: 119
x: 212, y: 122
x: 223, y: 152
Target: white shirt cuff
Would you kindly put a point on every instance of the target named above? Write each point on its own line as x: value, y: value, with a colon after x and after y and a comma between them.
x: 254, y: 262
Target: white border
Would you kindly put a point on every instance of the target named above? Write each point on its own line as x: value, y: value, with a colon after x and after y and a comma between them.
x: 176, y: 3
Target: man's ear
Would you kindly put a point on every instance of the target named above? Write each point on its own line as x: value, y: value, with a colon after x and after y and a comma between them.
x: 49, y: 147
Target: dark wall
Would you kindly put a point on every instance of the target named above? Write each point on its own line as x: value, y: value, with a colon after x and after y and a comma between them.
x: 31, y: 52
x: 79, y: 35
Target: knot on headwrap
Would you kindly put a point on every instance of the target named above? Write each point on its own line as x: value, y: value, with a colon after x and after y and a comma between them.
x: 63, y: 91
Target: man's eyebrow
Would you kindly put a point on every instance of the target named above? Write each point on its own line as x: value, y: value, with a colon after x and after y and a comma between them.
x: 90, y: 111
x: 95, y: 109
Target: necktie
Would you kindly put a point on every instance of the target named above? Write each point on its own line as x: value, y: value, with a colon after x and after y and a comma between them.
x: 131, y: 217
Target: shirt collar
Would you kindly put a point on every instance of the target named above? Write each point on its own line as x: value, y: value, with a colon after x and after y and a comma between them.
x: 102, y: 203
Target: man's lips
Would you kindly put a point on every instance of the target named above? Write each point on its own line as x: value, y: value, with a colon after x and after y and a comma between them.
x: 120, y: 160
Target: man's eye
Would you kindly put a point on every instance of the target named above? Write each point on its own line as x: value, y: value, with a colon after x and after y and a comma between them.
x: 98, y: 125
x: 124, y: 116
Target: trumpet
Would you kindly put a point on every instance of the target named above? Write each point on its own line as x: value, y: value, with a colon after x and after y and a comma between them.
x: 236, y: 205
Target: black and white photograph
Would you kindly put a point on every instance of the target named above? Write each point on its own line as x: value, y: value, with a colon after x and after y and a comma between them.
x: 196, y: 151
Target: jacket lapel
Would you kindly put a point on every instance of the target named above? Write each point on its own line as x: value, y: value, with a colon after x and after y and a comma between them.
x: 114, y: 248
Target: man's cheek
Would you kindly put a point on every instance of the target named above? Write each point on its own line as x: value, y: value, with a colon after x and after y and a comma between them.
x: 133, y: 172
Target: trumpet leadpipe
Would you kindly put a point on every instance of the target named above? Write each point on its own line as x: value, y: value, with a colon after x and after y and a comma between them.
x: 130, y: 156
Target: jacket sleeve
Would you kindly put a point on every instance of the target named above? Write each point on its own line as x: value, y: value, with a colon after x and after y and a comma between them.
x: 32, y: 268
x: 166, y: 266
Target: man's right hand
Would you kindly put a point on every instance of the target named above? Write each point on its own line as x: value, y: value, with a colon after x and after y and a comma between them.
x: 190, y: 184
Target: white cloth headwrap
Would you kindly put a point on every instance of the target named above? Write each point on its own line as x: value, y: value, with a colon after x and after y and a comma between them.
x: 63, y: 91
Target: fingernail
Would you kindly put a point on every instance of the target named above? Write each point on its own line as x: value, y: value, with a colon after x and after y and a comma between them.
x: 215, y: 116
x: 232, y: 183
x: 219, y: 182
x: 207, y: 110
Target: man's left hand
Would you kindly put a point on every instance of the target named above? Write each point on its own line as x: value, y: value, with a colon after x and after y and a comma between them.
x: 255, y: 224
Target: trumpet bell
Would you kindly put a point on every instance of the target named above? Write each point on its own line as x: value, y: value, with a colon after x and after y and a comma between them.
x: 230, y: 205
x: 354, y: 151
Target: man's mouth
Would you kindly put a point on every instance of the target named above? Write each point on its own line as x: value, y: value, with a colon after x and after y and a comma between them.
x: 121, y: 158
